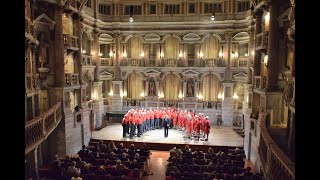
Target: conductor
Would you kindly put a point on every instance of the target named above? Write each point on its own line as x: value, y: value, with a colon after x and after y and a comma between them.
x: 166, y: 126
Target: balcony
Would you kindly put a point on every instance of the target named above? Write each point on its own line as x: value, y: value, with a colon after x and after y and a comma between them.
x: 39, y: 128
x: 70, y: 42
x: 132, y: 62
x: 86, y: 60
x: 170, y: 62
x: 32, y: 82
x: 72, y: 79
x: 213, y: 62
x: 260, y: 82
x: 106, y: 61
x: 275, y: 164
x: 262, y: 41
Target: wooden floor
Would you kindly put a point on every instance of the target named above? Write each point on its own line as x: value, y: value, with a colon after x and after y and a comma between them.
x: 219, y: 136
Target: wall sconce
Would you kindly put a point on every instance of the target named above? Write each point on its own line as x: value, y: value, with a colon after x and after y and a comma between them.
x: 220, y: 55
x: 142, y: 94
x: 252, y: 53
x: 213, y: 17
x: 161, y: 55
x: 131, y: 18
x: 83, y: 51
x: 265, y: 60
x: 246, y: 54
x: 200, y: 54
x: 100, y: 54
x: 234, y: 55
x: 111, y: 54
x: 267, y: 17
x: 180, y: 55
x: 92, y: 53
x: 235, y: 96
x: 111, y: 93
x: 219, y: 96
x: 142, y: 54
x: 180, y: 96
x: 124, y: 54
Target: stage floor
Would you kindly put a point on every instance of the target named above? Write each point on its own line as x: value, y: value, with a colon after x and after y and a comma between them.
x: 219, y: 136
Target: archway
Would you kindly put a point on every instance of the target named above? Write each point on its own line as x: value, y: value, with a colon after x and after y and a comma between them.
x: 211, y: 47
x: 135, y: 85
x: 86, y: 44
x: 210, y: 87
x: 134, y: 47
x: 170, y: 84
x: 171, y: 48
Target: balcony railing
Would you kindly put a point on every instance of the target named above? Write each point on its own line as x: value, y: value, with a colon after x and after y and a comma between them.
x: 262, y: 41
x: 70, y: 41
x: 86, y: 60
x: 170, y: 62
x: 106, y: 61
x: 275, y: 164
x: 72, y: 79
x: 32, y: 82
x: 132, y: 62
x: 39, y: 128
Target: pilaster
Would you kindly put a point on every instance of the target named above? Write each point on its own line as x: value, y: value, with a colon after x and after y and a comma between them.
x: 116, y: 101
x: 59, y: 48
x: 227, y: 104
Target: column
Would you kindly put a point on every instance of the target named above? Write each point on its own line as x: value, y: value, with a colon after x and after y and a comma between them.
x: 227, y: 104
x: 228, y: 73
x: 197, y: 53
x: 184, y: 88
x: 117, y: 55
x: 272, y: 70
x: 77, y: 32
x: 59, y: 49
x: 251, y: 48
x: 181, y: 59
x: 98, y: 103
x: 147, y: 88
x: 146, y: 55
x: 257, y: 53
x: 95, y: 50
x: 157, y: 61
x: 185, y: 55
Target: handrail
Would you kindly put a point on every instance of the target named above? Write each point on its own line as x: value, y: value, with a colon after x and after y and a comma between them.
x: 39, y: 128
x: 275, y: 163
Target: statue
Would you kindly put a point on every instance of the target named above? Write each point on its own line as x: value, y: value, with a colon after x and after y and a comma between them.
x: 152, y: 88
x: 42, y: 55
x: 190, y: 89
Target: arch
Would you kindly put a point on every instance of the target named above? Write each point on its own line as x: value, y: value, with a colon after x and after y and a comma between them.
x: 170, y: 35
x: 241, y: 36
x: 152, y: 37
x: 210, y: 47
x: 135, y: 35
x: 214, y: 35
x: 191, y: 37
x: 171, y: 72
x: 105, y: 38
x: 214, y: 73
x: 171, y: 86
x: 135, y: 85
x: 86, y: 43
x: 210, y: 87
x: 130, y: 72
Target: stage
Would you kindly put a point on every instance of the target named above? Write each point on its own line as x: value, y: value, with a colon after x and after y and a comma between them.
x: 219, y: 136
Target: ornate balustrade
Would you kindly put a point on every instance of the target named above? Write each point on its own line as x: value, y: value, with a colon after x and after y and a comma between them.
x: 275, y: 164
x: 242, y: 62
x: 86, y: 60
x: 70, y: 41
x: 32, y: 82
x: 106, y: 61
x: 170, y: 62
x: 72, y: 79
x: 39, y: 128
x: 213, y: 62
x: 132, y: 62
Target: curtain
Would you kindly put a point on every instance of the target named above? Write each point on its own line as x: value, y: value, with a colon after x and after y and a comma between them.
x: 211, y: 87
x: 134, y: 47
x: 210, y: 47
x: 170, y: 86
x: 171, y: 48
x: 135, y: 86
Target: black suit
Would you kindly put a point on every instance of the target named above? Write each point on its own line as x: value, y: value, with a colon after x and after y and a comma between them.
x: 166, y: 126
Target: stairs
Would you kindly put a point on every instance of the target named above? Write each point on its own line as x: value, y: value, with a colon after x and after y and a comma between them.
x: 239, y: 131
